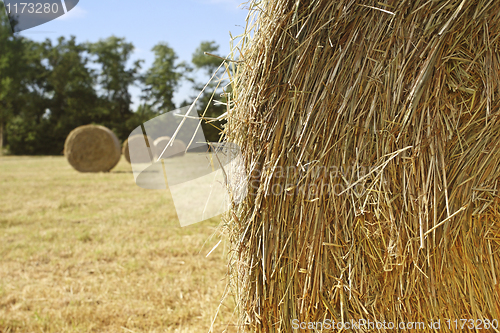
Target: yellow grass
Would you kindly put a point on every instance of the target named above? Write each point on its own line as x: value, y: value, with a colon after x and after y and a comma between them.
x: 96, y: 253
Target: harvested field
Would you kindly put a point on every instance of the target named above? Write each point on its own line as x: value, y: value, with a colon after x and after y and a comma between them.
x: 95, y: 253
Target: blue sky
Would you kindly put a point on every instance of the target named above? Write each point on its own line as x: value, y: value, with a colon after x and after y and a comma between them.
x: 183, y: 24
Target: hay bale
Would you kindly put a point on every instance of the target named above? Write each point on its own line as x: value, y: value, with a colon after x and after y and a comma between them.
x: 92, y: 148
x: 160, y: 144
x: 141, y: 155
x: 177, y: 149
x: 372, y: 137
x: 162, y: 140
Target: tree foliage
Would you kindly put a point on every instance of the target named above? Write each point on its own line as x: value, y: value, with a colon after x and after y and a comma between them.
x: 204, y: 61
x: 209, y: 65
x: 49, y: 88
x: 66, y: 85
x: 114, y: 79
x: 162, y: 79
x: 11, y: 71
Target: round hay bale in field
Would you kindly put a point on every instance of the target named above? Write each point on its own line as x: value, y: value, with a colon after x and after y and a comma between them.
x: 140, y: 155
x: 160, y: 144
x: 177, y: 149
x: 92, y: 148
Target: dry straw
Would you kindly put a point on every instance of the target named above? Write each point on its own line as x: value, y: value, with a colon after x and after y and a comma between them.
x: 178, y: 147
x: 140, y: 155
x: 406, y: 89
x: 92, y: 148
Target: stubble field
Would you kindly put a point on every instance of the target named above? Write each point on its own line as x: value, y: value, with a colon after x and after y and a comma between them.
x: 96, y: 253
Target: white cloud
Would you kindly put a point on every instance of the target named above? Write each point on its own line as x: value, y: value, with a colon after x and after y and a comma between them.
x: 75, y: 13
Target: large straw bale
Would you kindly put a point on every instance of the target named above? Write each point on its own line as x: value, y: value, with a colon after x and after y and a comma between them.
x: 92, y: 148
x: 178, y: 147
x: 371, y: 132
x: 140, y: 155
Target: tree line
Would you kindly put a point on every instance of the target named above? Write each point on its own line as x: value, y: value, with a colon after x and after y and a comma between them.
x: 49, y: 88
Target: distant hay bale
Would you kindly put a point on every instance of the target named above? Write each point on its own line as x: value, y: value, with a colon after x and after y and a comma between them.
x: 92, y: 148
x: 140, y: 155
x: 161, y: 140
x: 160, y: 144
x: 177, y: 149
x: 371, y: 134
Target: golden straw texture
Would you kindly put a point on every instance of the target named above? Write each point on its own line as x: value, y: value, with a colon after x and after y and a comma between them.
x: 371, y: 135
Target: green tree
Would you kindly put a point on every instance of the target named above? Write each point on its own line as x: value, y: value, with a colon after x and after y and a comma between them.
x: 209, y: 64
x: 162, y: 79
x: 25, y: 130
x: 114, y: 80
x: 46, y: 90
x: 203, y: 61
x: 140, y: 116
x: 60, y: 97
x: 74, y: 99
x: 11, y: 71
